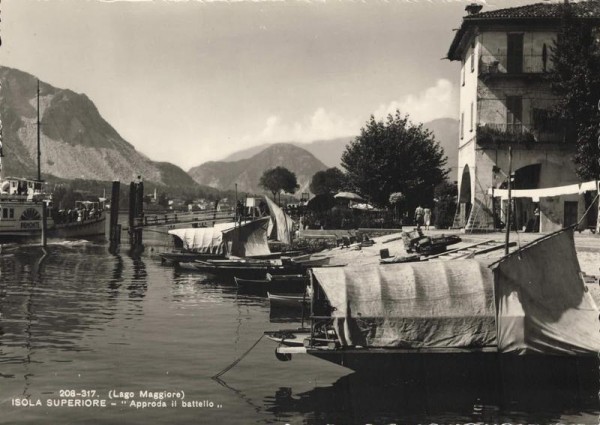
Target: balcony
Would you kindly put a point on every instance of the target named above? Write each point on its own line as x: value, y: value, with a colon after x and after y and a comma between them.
x: 522, y: 66
x: 504, y: 133
x: 547, y: 131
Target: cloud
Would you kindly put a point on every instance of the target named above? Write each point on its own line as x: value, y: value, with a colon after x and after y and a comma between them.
x: 438, y: 101
x: 320, y: 125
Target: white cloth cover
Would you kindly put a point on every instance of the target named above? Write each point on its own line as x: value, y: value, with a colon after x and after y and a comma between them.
x: 248, y: 239
x: 281, y: 224
x: 543, y: 305
x: 205, y: 240
x: 437, y: 304
x: 572, y: 189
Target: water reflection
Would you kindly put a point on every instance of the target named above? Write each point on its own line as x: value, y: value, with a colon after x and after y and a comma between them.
x: 354, y: 399
x: 52, y: 298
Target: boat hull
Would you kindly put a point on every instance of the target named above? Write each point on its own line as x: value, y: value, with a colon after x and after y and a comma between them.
x: 90, y: 228
x: 460, y: 365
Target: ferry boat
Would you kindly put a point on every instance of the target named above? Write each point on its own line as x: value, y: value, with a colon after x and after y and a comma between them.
x: 25, y: 207
x: 22, y: 205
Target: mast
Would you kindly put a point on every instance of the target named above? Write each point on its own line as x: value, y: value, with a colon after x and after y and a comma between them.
x: 509, y: 208
x: 39, y: 154
x: 1, y: 151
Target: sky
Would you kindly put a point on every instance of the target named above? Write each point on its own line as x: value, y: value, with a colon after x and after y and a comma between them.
x: 194, y: 81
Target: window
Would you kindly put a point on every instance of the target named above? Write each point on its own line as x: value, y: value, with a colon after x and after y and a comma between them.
x: 471, y: 129
x: 473, y: 56
x: 11, y: 213
x: 514, y: 114
x: 462, y: 125
x: 514, y: 55
x: 4, y: 212
x: 544, y: 58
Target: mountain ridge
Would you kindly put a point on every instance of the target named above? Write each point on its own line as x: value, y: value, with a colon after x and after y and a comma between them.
x: 246, y: 172
x: 76, y: 141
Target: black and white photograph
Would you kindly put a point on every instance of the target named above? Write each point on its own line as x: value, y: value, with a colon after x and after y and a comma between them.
x: 299, y: 212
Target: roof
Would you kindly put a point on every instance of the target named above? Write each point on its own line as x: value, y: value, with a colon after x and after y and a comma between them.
x: 585, y: 9
x: 532, y: 13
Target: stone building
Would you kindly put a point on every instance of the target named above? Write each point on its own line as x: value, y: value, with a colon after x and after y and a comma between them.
x: 505, y: 99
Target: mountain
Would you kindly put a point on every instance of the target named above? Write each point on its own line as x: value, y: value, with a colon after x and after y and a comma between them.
x: 330, y: 151
x: 445, y: 131
x: 76, y: 142
x: 247, y: 172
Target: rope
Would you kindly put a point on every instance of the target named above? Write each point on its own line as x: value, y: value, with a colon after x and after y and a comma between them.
x: 232, y: 365
x: 588, y: 210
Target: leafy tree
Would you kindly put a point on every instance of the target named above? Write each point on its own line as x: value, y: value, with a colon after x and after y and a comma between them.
x: 575, y: 78
x: 277, y: 179
x: 445, y: 197
x: 395, y: 156
x: 331, y: 180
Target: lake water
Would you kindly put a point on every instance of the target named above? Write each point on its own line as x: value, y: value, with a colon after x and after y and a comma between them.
x: 80, y: 323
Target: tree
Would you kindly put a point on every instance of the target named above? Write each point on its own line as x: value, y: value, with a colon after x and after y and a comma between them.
x: 394, y: 156
x: 277, y: 179
x: 575, y: 79
x: 445, y: 197
x: 331, y: 180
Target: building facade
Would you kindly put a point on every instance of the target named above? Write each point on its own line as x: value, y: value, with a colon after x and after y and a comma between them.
x: 505, y: 101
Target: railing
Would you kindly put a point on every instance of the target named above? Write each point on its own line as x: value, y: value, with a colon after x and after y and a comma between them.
x: 504, y: 64
x: 550, y: 131
x: 504, y: 133
x: 184, y: 217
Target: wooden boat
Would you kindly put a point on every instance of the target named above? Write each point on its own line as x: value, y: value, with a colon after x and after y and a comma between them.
x: 294, y: 283
x: 247, y: 268
x: 283, y: 300
x: 456, y: 314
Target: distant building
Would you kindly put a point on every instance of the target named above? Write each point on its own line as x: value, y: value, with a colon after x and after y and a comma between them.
x: 505, y: 101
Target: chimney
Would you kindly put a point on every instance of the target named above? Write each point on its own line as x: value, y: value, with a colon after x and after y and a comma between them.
x: 473, y: 8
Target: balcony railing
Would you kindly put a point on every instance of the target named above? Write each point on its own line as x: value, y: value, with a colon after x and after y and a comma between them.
x: 490, y: 65
x: 504, y: 133
x: 549, y: 132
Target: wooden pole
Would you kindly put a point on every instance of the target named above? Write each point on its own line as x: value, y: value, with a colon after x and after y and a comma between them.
x: 509, y: 208
x: 114, y: 212
x: 44, y: 224
x: 39, y: 153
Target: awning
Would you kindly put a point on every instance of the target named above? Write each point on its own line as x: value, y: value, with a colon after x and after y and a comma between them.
x: 572, y: 189
x: 204, y: 240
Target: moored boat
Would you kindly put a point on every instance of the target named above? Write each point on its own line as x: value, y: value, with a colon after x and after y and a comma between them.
x: 531, y: 307
x: 22, y: 204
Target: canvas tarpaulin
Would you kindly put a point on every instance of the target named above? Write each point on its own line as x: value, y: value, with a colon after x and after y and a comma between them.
x: 281, y: 224
x: 542, y: 302
x: 414, y: 305
x: 205, y: 240
x: 248, y: 239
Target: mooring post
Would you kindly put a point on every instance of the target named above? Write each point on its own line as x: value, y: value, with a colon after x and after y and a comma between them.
x: 136, y: 212
x: 115, y: 234
x: 44, y: 223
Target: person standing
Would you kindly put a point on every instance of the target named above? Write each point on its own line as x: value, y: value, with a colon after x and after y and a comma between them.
x: 419, y: 213
x: 427, y: 217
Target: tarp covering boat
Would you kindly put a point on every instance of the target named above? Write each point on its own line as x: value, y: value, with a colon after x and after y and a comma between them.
x: 413, y: 305
x: 204, y: 240
x: 542, y: 302
x: 281, y: 224
x: 248, y: 239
